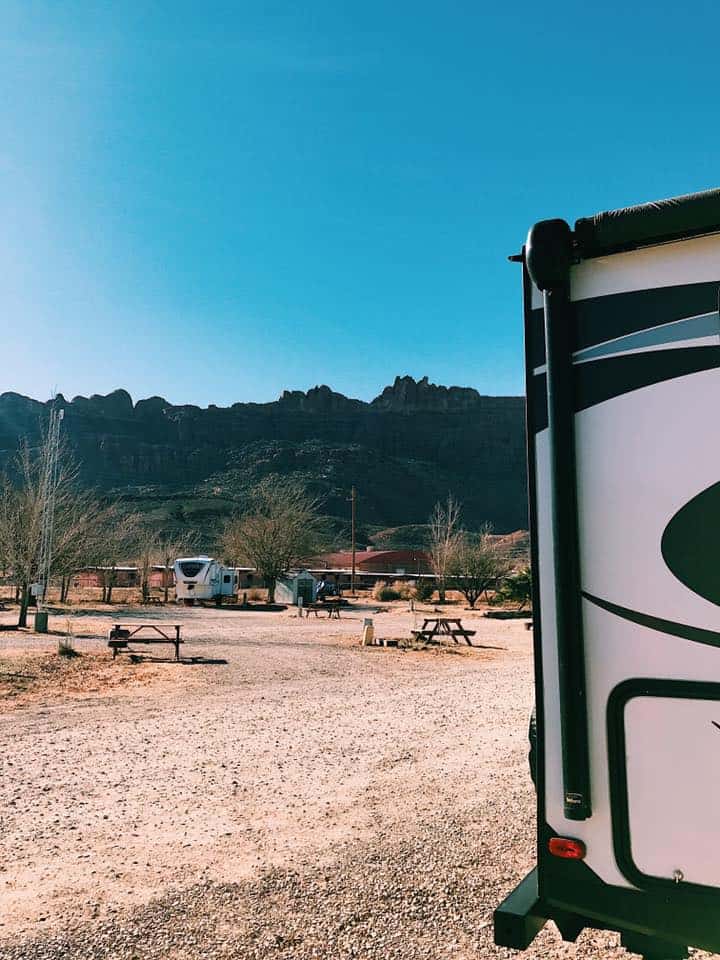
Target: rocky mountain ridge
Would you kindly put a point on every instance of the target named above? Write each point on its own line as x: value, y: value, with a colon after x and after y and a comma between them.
x: 407, y: 447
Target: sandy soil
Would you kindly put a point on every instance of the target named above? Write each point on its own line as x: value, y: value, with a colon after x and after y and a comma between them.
x: 287, y: 793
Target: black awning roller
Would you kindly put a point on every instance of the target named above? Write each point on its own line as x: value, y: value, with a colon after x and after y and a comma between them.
x: 648, y: 223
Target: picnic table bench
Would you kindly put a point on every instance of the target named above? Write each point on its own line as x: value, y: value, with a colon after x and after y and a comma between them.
x: 444, y: 626
x: 332, y: 607
x: 121, y: 635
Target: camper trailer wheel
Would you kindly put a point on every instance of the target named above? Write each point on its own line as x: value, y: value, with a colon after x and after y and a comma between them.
x: 532, y: 738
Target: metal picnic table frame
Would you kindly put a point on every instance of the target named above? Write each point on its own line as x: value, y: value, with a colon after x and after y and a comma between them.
x: 332, y: 607
x: 443, y: 627
x: 121, y: 634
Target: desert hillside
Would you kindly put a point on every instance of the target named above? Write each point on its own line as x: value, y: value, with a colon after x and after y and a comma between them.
x: 407, y: 448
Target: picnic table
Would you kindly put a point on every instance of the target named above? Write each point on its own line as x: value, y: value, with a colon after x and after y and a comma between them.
x: 121, y: 634
x: 434, y: 627
x: 332, y: 607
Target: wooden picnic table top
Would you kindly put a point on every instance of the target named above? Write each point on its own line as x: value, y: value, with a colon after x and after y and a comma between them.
x: 136, y: 624
x: 147, y: 626
x: 443, y: 620
x: 163, y: 630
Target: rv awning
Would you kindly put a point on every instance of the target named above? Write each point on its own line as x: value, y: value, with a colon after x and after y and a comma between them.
x: 661, y: 221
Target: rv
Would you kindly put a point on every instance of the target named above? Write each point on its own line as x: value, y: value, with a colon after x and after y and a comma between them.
x: 622, y: 341
x: 203, y: 578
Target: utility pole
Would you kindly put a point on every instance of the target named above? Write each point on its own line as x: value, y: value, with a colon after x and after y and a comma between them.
x: 353, y: 502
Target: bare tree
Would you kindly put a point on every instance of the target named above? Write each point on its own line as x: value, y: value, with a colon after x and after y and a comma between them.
x: 445, y: 537
x: 478, y: 562
x: 116, y: 542
x: 20, y: 523
x: 146, y: 554
x: 83, y: 524
x: 281, y: 528
x: 153, y: 548
x: 22, y: 501
x: 169, y: 549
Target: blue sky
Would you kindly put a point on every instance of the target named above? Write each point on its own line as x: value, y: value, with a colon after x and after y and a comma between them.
x: 217, y: 201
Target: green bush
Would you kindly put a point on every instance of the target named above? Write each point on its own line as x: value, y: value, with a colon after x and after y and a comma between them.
x: 381, y: 591
x: 424, y: 589
x: 516, y: 588
x: 405, y: 589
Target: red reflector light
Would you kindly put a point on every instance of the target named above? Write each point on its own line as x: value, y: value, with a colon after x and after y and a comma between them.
x: 566, y: 848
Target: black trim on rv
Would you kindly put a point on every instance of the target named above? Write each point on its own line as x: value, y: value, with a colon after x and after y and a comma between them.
x: 548, y: 256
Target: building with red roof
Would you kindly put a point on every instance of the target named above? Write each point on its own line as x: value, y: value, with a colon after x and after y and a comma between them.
x: 393, y: 563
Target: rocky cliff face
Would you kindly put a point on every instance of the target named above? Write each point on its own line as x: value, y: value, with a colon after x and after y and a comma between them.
x: 404, y: 450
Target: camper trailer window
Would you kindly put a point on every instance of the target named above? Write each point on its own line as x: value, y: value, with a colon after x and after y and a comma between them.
x: 191, y: 568
x: 226, y: 578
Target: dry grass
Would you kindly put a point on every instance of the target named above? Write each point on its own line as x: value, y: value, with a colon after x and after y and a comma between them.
x: 28, y: 677
x: 397, y: 590
x: 255, y: 593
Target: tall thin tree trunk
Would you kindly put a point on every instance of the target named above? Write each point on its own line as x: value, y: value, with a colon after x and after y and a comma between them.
x: 24, y: 603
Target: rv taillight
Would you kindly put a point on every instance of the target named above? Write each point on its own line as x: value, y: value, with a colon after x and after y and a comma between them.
x: 566, y: 849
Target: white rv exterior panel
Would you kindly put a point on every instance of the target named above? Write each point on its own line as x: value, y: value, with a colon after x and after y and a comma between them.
x: 640, y: 457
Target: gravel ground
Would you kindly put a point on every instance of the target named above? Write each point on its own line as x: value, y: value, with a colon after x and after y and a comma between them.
x: 287, y: 795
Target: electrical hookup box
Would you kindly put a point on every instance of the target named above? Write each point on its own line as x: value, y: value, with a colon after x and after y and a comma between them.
x: 622, y: 339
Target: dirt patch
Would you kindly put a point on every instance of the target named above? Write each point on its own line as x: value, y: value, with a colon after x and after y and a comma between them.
x: 410, y: 645
x: 27, y: 678
x: 288, y: 794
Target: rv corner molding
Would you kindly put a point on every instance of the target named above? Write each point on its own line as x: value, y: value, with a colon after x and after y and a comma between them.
x: 548, y: 254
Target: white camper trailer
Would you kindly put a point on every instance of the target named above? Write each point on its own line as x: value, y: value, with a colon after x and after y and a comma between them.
x: 203, y: 578
x: 623, y: 384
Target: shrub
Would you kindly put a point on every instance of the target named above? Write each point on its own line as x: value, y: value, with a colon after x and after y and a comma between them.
x: 405, y: 589
x: 381, y: 591
x: 424, y: 589
x: 516, y: 588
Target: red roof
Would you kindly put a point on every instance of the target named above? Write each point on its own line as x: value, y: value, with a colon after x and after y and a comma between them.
x: 343, y: 560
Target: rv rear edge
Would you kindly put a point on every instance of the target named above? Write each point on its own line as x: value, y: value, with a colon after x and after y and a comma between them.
x: 622, y: 344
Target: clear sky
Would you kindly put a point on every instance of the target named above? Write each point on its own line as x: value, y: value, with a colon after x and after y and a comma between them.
x: 216, y: 201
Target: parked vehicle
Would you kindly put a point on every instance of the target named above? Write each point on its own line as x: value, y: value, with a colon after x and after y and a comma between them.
x: 622, y: 356
x: 204, y: 578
